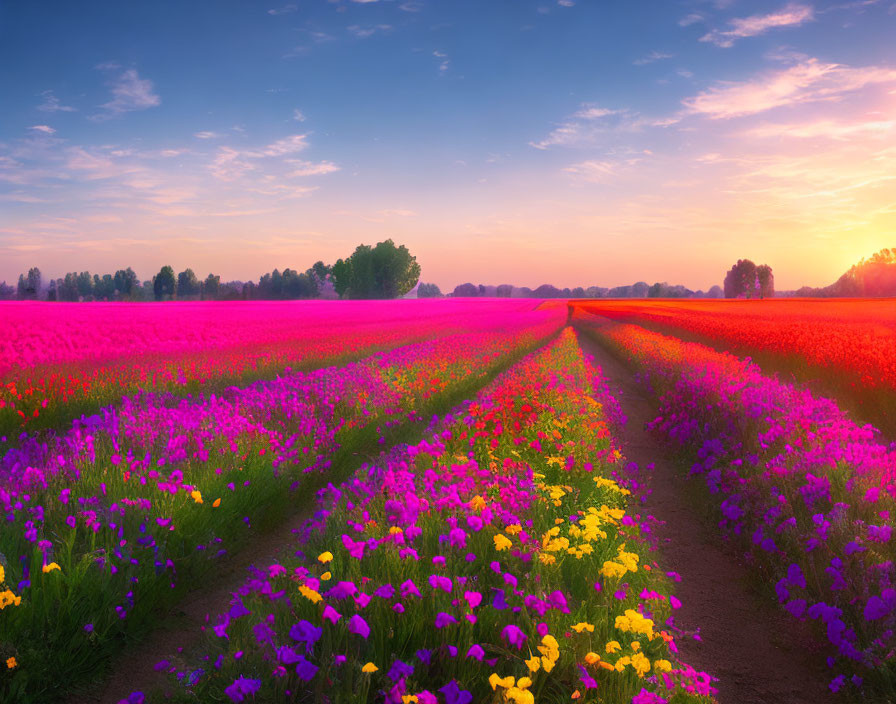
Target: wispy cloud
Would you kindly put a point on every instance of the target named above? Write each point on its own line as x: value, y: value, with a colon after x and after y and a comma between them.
x: 789, y: 16
x: 808, y: 81
x: 310, y: 168
x: 51, y: 103
x: 651, y: 57
x: 205, y: 134
x: 284, y: 10
x: 688, y: 20
x: 593, y: 170
x: 129, y: 93
x: 44, y: 129
x: 587, y: 124
x: 444, y: 61
x: 298, y: 115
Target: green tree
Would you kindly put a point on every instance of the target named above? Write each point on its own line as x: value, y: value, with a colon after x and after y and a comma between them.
x: 187, y: 284
x: 428, y: 291
x: 766, y: 281
x: 211, y: 286
x: 383, y: 271
x: 741, y: 279
x: 164, y: 283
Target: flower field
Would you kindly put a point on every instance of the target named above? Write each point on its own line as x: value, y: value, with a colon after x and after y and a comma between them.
x: 108, y: 521
x: 846, y: 345
x: 81, y: 358
x: 810, y: 492
x: 472, y: 530
x: 498, y: 559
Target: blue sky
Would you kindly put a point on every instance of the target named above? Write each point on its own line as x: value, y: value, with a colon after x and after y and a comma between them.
x: 572, y: 142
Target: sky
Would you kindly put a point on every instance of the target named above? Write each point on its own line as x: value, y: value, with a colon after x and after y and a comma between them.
x: 572, y: 142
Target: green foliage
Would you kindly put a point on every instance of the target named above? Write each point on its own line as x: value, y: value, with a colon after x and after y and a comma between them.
x: 384, y: 271
x: 164, y: 283
x: 187, y: 284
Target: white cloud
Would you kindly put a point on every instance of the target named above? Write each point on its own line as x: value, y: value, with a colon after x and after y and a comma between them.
x: 45, y: 129
x: 789, y: 16
x: 129, y: 93
x: 693, y: 18
x: 51, y: 103
x: 205, y: 134
x: 298, y: 115
x: 581, y: 128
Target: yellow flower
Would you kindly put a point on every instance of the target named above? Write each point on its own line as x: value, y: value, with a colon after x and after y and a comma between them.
x: 369, y: 668
x: 546, y: 559
x: 613, y: 569
x: 579, y: 627
x: 11, y: 663
x: 501, y: 543
x: 477, y: 503
x: 636, y: 645
x: 326, y: 576
x: 662, y: 665
x: 524, y: 682
x: 592, y: 658
x: 641, y: 664
x: 409, y: 699
x: 547, y: 665
x: 622, y: 662
x: 513, y: 528
x: 196, y: 495
x: 49, y: 568
x: 533, y: 663
x: 396, y: 530
x: 2, y: 574
x: 310, y: 594
x: 519, y: 696
x: 7, y: 598
x: 325, y: 557
x: 216, y: 503
x: 613, y: 646
x: 495, y: 681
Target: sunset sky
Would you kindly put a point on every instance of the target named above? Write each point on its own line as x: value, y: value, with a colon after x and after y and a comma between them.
x: 573, y: 142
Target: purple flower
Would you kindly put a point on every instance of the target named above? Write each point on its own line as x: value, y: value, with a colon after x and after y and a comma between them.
x: 238, y: 609
x: 386, y: 591
x: 456, y: 695
x: 305, y: 670
x: 476, y: 652
x: 241, y: 687
x: 408, y: 588
x: 399, y: 670
x: 444, y: 619
x: 287, y: 655
x: 307, y: 633
x: 513, y: 635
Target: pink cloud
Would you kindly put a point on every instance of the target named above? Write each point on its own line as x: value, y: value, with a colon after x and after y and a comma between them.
x: 789, y: 16
x: 805, y: 82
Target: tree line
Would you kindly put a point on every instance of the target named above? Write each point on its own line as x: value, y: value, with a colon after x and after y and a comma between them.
x: 381, y: 271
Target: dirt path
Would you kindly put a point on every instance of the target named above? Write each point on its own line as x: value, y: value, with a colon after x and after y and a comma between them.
x: 758, y: 653
x: 183, y: 628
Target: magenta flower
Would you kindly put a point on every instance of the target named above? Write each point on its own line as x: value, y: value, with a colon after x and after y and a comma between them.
x: 331, y: 614
x: 513, y: 635
x: 473, y: 599
x: 444, y: 619
x: 359, y: 626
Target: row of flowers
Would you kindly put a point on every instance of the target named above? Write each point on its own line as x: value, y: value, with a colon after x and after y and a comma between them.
x: 58, y: 362
x: 494, y: 560
x: 810, y: 492
x: 106, y: 524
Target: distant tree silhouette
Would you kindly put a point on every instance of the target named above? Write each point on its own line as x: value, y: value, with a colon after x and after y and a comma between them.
x: 742, y: 280
x: 164, y: 283
x: 428, y: 291
x: 466, y: 291
x: 187, y: 284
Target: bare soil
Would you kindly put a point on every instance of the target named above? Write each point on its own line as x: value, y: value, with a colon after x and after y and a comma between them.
x: 757, y: 652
